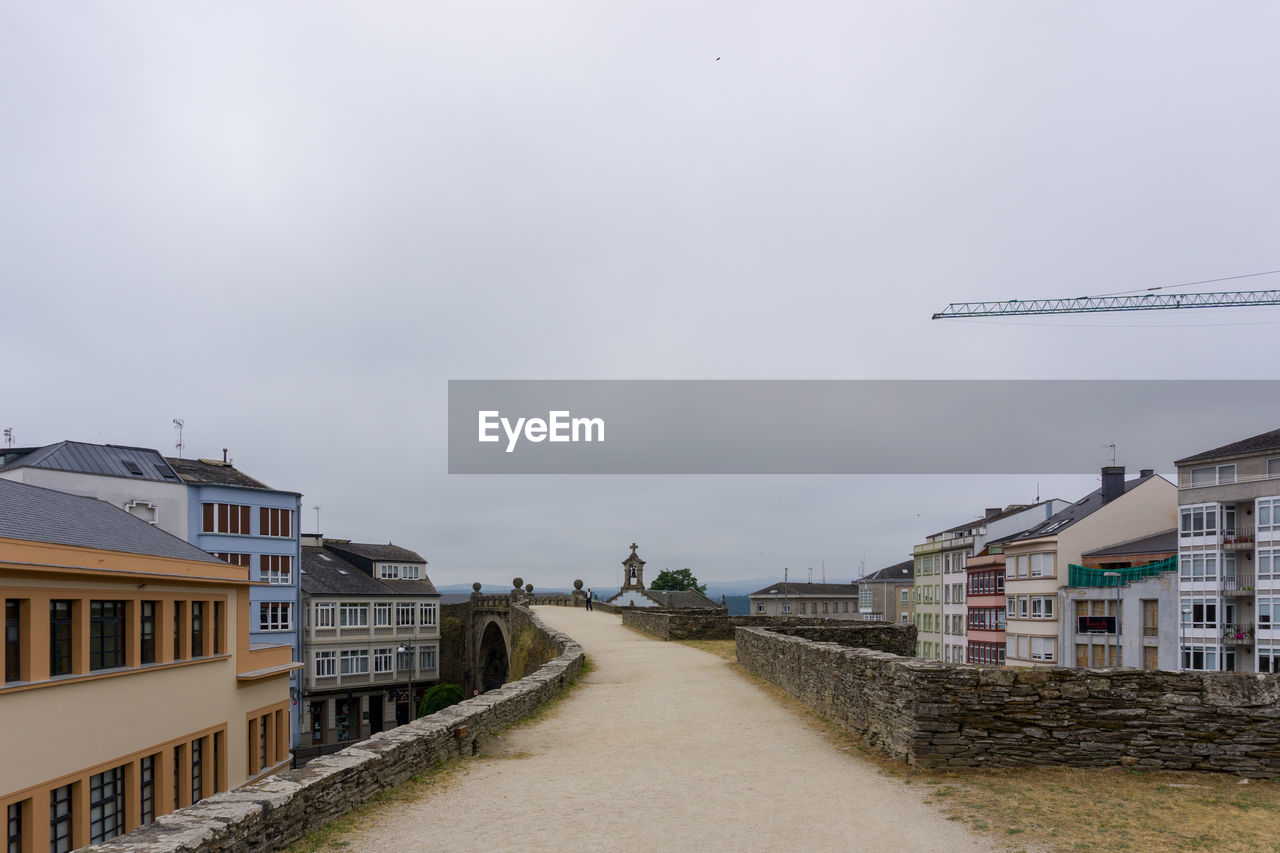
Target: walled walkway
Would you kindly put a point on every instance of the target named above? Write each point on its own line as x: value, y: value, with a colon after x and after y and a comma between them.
x: 664, y: 747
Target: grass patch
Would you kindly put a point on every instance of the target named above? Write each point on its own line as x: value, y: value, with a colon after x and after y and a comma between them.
x: 1064, y: 808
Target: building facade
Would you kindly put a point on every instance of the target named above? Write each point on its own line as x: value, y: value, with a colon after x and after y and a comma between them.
x: 824, y: 600
x: 985, y: 607
x: 1036, y: 561
x: 885, y: 595
x: 1229, y: 556
x: 371, y: 639
x: 131, y: 687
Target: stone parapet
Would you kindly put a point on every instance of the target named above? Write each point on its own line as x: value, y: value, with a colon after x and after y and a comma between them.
x: 934, y: 714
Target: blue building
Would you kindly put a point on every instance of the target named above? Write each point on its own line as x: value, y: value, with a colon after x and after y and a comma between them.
x: 246, y: 522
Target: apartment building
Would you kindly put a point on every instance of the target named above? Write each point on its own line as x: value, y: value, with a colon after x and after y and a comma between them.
x: 371, y: 641
x: 885, y: 595
x: 131, y: 687
x: 825, y: 600
x: 1121, y: 605
x: 1036, y: 560
x: 940, y: 577
x: 1229, y: 556
x: 985, y: 607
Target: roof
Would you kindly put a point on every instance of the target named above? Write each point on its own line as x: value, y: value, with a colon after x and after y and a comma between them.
x: 1166, y: 541
x: 325, y: 572
x: 904, y: 571
x: 107, y: 460
x: 213, y: 472
x: 1011, y: 509
x: 679, y: 598
x: 386, y: 552
x: 1078, y: 511
x: 44, y: 515
x: 1260, y: 443
x: 794, y: 588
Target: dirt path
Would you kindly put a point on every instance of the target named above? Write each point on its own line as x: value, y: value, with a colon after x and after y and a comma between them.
x: 665, y: 748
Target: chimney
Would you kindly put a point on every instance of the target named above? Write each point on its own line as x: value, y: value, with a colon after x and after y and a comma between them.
x: 224, y: 456
x: 993, y: 511
x: 1112, y: 482
x: 1147, y: 472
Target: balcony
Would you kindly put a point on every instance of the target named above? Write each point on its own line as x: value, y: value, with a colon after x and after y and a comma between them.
x: 1240, y: 539
x: 1239, y: 586
x: 1240, y: 634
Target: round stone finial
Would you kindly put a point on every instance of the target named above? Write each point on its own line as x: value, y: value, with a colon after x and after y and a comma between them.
x: 476, y: 586
x: 528, y: 587
x: 517, y: 582
x: 577, y: 584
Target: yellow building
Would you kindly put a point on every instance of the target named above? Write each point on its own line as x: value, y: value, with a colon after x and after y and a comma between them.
x: 131, y: 688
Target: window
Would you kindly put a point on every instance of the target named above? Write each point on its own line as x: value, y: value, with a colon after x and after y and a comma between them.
x: 386, y: 571
x: 324, y: 615
x: 1212, y: 475
x: 946, y: 594
x: 148, y: 629
x: 906, y: 598
x: 1273, y: 468
x: 1268, y: 660
x: 354, y: 662
x: 325, y: 664
x: 275, y: 568
x: 177, y: 630
x: 1042, y: 606
x: 1150, y: 619
x: 1268, y: 510
x: 60, y: 638
x: 106, y: 634
x: 13, y: 833
x: 275, y: 522
x: 197, y: 770
x: 759, y: 608
x: 1043, y: 648
x: 1200, y: 658
x: 234, y: 559
x: 1204, y: 613
x: 382, y: 660
x: 353, y: 615
x: 404, y: 613
x: 410, y: 573
x: 147, y: 789
x: 404, y: 658
x: 382, y: 615
x: 1198, y: 520
x: 275, y: 616
x: 427, y: 658
x: 225, y: 518
x: 197, y: 629
x: 12, y: 640
x: 1268, y: 563
x: 60, y: 820
x: 1041, y: 565
x: 1198, y: 566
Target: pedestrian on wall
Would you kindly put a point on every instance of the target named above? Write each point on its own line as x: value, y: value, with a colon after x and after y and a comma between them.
x: 589, y: 597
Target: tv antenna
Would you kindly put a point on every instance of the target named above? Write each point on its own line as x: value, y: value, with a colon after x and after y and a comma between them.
x: 179, y: 423
x: 8, y: 436
x: 317, y: 509
x: 1112, y: 448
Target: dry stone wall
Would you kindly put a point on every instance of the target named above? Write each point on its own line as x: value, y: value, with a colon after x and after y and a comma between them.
x: 934, y: 714
x: 271, y: 813
x: 678, y: 624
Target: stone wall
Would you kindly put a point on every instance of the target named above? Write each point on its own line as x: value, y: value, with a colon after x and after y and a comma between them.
x: 454, y: 667
x: 676, y: 624
x: 274, y: 812
x: 934, y: 714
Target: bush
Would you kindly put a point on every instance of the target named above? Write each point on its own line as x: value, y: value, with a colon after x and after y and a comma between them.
x: 440, y: 696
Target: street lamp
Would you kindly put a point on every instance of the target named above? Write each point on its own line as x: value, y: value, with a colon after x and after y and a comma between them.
x: 1116, y: 575
x: 413, y: 708
x: 1182, y: 634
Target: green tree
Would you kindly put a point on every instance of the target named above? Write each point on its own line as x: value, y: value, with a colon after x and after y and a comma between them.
x: 682, y: 579
x: 440, y: 696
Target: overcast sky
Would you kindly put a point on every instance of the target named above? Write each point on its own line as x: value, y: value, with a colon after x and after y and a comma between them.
x: 291, y: 224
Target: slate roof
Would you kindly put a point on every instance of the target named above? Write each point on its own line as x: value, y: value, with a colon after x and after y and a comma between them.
x: 1081, y: 509
x: 1012, y: 509
x: 679, y: 598
x: 898, y: 572
x: 325, y: 572
x: 108, y: 460
x: 1164, y: 541
x: 384, y: 553
x: 44, y: 515
x: 212, y: 472
x: 1260, y: 443
x: 794, y: 588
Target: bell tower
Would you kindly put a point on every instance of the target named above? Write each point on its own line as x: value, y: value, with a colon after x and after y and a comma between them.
x: 633, y: 571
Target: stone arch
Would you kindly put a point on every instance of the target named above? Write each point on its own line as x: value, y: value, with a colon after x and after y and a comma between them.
x: 493, y: 655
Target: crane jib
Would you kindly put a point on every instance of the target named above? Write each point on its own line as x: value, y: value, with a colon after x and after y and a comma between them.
x: 1093, y: 304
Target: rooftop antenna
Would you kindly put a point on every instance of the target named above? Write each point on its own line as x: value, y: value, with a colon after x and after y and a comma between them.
x: 317, y: 509
x: 179, y: 423
x: 811, y: 574
x: 8, y: 436
x: 824, y: 571
x: 1112, y: 447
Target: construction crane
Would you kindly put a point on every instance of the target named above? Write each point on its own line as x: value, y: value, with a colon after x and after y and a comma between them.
x: 1094, y: 304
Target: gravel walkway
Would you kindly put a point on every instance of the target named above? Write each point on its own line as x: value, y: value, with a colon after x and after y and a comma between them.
x: 665, y: 747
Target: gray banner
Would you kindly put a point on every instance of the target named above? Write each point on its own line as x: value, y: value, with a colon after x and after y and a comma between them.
x: 845, y: 426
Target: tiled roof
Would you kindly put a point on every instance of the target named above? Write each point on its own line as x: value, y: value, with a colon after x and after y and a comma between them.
x: 794, y: 588
x: 679, y: 598
x: 1162, y: 542
x: 45, y: 515
x: 904, y: 571
x: 1260, y: 443
x: 325, y: 572
x: 108, y: 460
x: 1086, y: 506
x: 213, y: 472
x: 384, y: 553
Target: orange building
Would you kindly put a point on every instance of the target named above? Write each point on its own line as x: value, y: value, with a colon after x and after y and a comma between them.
x: 130, y: 688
